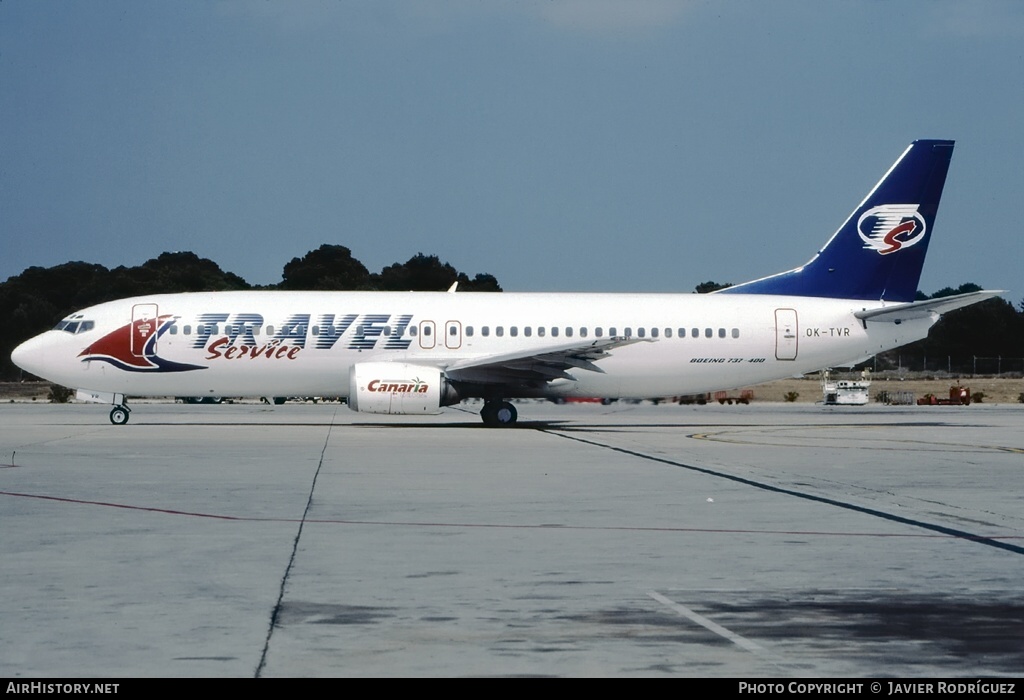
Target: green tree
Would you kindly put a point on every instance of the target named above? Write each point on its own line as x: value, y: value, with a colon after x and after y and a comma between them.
x: 964, y: 288
x: 992, y: 328
x: 329, y: 267
x: 709, y: 286
x: 426, y: 273
x: 988, y: 329
x: 481, y: 282
x: 36, y: 299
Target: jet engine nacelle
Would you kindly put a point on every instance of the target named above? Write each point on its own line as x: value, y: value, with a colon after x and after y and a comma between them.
x: 398, y: 388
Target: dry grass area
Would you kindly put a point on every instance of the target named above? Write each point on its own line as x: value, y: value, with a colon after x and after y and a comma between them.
x: 24, y: 391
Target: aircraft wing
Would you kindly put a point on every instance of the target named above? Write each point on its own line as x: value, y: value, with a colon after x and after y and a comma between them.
x: 538, y: 364
x: 921, y: 309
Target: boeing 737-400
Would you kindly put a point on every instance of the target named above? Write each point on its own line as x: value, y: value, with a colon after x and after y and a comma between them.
x: 416, y: 352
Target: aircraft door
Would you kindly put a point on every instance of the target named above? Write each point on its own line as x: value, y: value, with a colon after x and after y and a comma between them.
x: 427, y: 331
x: 453, y: 335
x: 144, y: 325
x: 786, y: 336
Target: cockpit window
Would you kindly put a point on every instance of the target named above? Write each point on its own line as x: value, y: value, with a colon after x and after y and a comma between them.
x: 74, y: 325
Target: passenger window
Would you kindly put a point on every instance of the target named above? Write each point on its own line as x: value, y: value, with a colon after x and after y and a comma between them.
x: 387, y: 330
x: 611, y: 332
x: 721, y: 332
x: 469, y: 331
x: 485, y: 331
x: 453, y: 330
x: 513, y: 331
x: 640, y: 332
x: 735, y: 332
x: 583, y: 332
x: 499, y: 331
x: 709, y: 332
x: 528, y: 331
x: 599, y: 332
x: 270, y: 330
x: 695, y: 332
x: 668, y: 332
x: 629, y: 332
x: 412, y: 331
x: 568, y: 331
x: 173, y: 330
x: 427, y: 331
x: 540, y: 331
x: 187, y: 330
x: 654, y: 332
x: 554, y: 331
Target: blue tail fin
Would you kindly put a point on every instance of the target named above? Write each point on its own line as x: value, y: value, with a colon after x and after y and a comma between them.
x: 879, y: 252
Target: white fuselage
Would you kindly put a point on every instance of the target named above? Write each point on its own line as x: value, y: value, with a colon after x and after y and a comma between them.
x: 305, y: 343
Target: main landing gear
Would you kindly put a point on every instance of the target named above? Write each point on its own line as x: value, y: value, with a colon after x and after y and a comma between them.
x: 499, y: 414
x: 119, y: 414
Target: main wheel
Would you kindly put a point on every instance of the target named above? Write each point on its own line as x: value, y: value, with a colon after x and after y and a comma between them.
x: 499, y: 414
x: 119, y: 415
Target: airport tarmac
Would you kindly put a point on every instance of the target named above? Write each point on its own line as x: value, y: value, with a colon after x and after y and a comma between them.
x: 769, y: 540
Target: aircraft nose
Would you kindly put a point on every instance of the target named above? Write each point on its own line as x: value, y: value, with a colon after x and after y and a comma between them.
x: 31, y: 356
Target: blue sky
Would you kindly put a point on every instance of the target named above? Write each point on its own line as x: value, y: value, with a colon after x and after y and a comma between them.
x: 592, y: 145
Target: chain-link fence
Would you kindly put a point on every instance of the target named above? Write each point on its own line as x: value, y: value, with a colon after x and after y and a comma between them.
x: 972, y: 365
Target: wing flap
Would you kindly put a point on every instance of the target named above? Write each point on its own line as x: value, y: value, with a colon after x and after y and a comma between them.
x: 538, y: 364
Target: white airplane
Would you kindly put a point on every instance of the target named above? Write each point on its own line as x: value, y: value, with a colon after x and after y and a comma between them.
x: 415, y: 352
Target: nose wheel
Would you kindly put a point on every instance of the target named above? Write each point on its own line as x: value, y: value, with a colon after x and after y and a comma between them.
x: 119, y: 414
x: 499, y: 414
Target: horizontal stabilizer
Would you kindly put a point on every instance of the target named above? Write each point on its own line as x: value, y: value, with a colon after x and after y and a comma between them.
x: 924, y: 309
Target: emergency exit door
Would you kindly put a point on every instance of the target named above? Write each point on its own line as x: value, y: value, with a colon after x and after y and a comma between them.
x: 786, y: 334
x: 144, y: 326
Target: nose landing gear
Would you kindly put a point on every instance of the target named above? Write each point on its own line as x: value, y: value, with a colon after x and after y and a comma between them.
x: 119, y: 414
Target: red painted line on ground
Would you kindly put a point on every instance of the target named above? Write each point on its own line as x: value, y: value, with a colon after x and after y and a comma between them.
x: 124, y: 506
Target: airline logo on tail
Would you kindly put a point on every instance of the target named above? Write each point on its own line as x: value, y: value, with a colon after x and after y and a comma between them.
x: 891, y: 227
